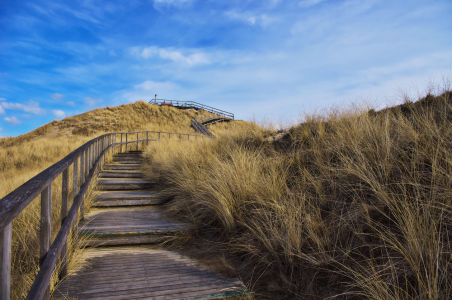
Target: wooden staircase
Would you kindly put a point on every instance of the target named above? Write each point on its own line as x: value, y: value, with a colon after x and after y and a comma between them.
x: 127, y: 214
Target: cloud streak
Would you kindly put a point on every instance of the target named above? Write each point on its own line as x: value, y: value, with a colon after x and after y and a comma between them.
x: 12, y: 121
x: 30, y: 107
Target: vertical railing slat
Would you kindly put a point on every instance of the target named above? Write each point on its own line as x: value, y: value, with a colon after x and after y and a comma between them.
x: 46, y: 229
x: 5, y: 255
x: 82, y: 180
x: 138, y: 137
x: 64, y: 211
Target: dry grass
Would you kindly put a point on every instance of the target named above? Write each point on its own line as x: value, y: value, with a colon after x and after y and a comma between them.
x: 24, y: 156
x: 349, y: 205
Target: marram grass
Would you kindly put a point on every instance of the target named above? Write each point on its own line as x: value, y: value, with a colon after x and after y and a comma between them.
x: 350, y: 205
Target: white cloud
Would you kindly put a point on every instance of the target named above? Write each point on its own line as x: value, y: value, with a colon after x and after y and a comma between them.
x: 57, y: 97
x: 309, y: 3
x: 2, y: 99
x: 92, y: 101
x: 2, y: 111
x: 112, y: 53
x: 59, y: 113
x: 1, y: 129
x: 251, y: 19
x: 191, y: 58
x: 71, y: 103
x: 12, y: 120
x: 31, y: 107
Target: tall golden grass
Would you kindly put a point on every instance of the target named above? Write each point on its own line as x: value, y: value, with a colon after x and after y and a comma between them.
x: 25, y: 156
x: 348, y: 205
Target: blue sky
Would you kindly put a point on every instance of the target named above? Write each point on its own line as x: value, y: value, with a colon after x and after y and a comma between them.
x: 275, y: 59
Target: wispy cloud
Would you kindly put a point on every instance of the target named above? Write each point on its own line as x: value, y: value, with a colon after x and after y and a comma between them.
x: 12, y: 120
x: 250, y: 18
x: 188, y: 57
x: 31, y: 107
x: 2, y: 111
x: 59, y: 113
x: 57, y: 97
x: 92, y: 101
x: 71, y: 103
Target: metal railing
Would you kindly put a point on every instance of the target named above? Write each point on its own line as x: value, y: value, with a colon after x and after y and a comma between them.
x: 84, y: 161
x: 195, y: 105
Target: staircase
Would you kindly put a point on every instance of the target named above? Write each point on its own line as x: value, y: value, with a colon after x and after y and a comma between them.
x: 123, y: 261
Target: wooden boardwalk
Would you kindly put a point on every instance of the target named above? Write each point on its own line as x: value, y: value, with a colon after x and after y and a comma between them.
x: 121, y: 262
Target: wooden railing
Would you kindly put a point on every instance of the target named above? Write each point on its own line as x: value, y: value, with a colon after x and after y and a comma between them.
x: 191, y: 104
x: 201, y: 128
x: 85, y: 160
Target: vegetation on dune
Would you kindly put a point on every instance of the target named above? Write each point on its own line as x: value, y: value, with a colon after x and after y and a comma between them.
x: 349, y: 205
x: 24, y: 156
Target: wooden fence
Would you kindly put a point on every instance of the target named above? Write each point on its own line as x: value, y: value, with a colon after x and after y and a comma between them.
x: 85, y: 160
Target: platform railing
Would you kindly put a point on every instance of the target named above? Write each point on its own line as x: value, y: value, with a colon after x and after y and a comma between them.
x: 191, y: 104
x: 85, y: 160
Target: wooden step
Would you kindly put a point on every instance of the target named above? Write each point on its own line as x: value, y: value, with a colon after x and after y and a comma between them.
x: 129, y: 198
x: 127, y: 226
x: 144, y: 273
x: 118, y: 184
x: 122, y: 167
x: 120, y: 174
x: 127, y: 162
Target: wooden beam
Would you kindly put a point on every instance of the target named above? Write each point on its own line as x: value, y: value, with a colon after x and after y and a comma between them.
x: 64, y: 211
x: 5, y: 275
x: 46, y: 229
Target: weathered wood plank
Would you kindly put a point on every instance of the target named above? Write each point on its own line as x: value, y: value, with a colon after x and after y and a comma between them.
x: 46, y: 229
x: 102, y: 278
x: 137, y: 202
x: 128, y: 195
x: 122, y: 167
x: 64, y: 212
x: 5, y: 256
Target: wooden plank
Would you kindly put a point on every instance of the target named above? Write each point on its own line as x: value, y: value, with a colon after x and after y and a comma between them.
x: 116, y: 203
x: 122, y: 167
x: 130, y: 195
x: 5, y: 255
x: 121, y: 174
x: 64, y: 212
x: 46, y: 229
x: 132, y: 273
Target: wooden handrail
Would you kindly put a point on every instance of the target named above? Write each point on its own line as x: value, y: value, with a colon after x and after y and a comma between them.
x: 189, y: 104
x: 86, y: 159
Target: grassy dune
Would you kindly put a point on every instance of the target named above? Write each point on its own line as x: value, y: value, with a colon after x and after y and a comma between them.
x: 24, y: 156
x: 350, y: 205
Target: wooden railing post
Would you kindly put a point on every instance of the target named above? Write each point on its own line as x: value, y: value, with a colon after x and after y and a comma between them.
x: 5, y: 255
x: 170, y: 136
x: 180, y: 137
x: 86, y: 165
x: 147, y: 138
x: 64, y: 211
x: 138, y: 137
x: 121, y: 142
x: 188, y: 137
x: 46, y: 229
x: 159, y: 136
x: 82, y: 180
x: 126, y: 141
